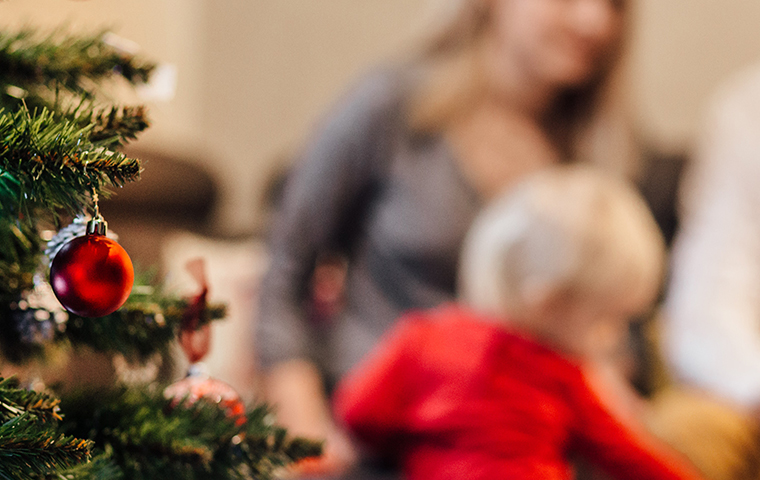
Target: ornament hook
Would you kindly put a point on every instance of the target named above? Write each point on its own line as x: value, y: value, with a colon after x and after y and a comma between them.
x: 97, y: 224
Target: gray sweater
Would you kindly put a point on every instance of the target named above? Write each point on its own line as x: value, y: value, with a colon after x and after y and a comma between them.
x: 393, y: 202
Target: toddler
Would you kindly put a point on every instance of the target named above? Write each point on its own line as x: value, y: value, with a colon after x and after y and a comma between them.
x: 494, y: 387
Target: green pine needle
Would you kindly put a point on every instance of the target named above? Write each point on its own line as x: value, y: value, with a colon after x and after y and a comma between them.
x: 52, y: 163
x: 44, y: 66
x: 19, y: 257
x: 139, y: 329
x: 101, y: 467
x: 15, y: 401
x: 30, y: 445
x: 27, y: 451
x: 58, y: 146
x: 150, y: 437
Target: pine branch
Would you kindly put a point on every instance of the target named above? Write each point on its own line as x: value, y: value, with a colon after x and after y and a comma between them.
x: 116, y: 126
x: 110, y: 126
x: 139, y: 329
x: 34, y: 65
x: 268, y: 448
x: 57, y: 70
x: 53, y: 164
x: 15, y: 401
x: 27, y: 450
x: 101, y: 467
x: 149, y: 437
x: 147, y: 324
x: 19, y: 257
x: 53, y: 158
x: 29, y: 444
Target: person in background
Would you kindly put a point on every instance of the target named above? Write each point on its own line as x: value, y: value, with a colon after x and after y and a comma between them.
x: 398, y: 170
x: 495, y: 385
x: 711, y: 321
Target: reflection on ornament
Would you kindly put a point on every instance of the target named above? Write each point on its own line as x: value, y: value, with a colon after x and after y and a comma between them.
x: 92, y: 275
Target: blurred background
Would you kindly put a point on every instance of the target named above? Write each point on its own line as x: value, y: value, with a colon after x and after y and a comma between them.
x: 243, y: 82
x: 254, y: 75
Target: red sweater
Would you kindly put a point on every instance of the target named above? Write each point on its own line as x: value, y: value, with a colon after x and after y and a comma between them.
x: 455, y: 396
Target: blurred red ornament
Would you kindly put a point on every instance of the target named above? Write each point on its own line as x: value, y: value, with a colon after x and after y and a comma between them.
x: 199, y: 386
x: 92, y: 275
x: 194, y: 337
x: 195, y: 343
x: 195, y: 340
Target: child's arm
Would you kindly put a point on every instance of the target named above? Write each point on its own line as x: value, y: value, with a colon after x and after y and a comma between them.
x: 371, y: 401
x: 622, y: 447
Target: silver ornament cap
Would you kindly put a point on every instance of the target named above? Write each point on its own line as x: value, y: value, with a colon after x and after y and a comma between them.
x: 97, y: 226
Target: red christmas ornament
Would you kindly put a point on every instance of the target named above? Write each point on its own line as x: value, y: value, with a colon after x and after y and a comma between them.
x: 195, y: 341
x: 92, y: 275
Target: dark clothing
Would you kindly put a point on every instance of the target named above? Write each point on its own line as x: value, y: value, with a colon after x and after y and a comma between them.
x: 392, y: 201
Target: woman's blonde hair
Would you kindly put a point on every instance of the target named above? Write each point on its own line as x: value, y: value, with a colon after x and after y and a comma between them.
x: 590, y: 124
x: 570, y: 230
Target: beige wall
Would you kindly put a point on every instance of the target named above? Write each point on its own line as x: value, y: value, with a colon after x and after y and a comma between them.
x: 166, y: 30
x: 254, y: 75
x: 682, y: 50
x: 273, y: 66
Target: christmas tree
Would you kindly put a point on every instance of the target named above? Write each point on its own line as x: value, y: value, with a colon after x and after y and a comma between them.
x: 59, y: 152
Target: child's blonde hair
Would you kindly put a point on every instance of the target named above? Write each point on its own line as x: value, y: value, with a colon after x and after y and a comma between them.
x: 569, y: 230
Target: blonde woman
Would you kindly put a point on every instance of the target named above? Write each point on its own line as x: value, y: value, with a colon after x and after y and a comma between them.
x: 396, y: 174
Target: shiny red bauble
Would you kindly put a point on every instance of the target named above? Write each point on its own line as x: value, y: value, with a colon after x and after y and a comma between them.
x: 92, y: 275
